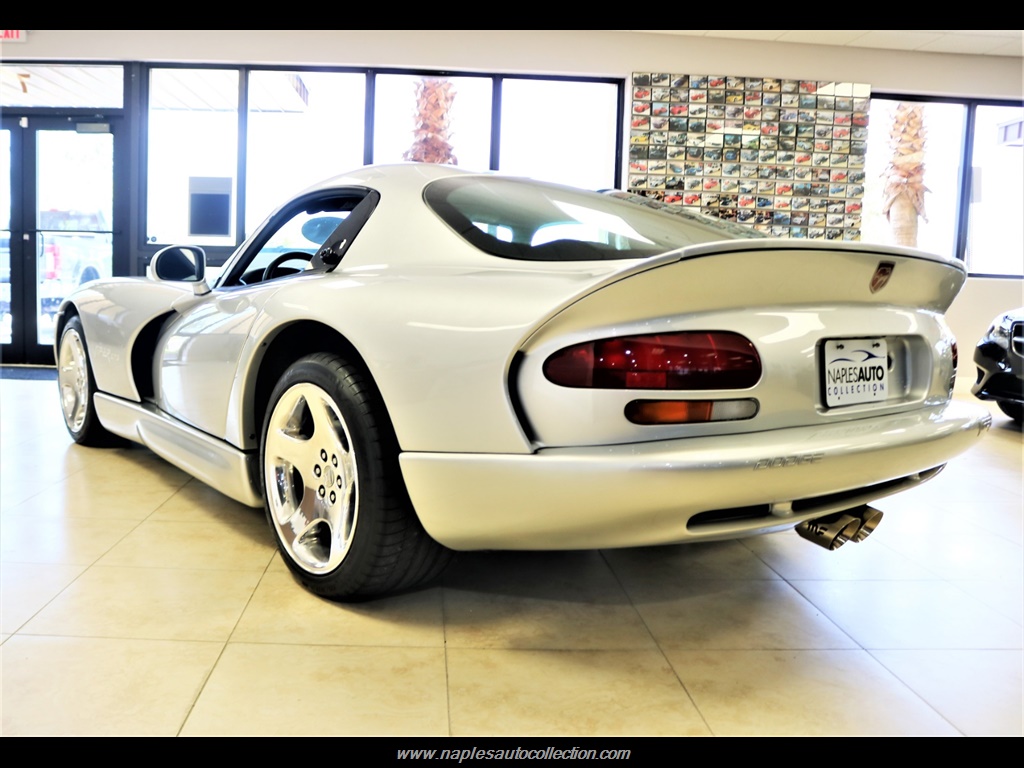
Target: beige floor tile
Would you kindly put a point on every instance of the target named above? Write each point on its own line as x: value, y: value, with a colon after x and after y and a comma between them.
x: 31, y: 468
x: 25, y: 539
x: 215, y: 544
x: 124, y: 491
x: 282, y: 611
x: 277, y: 564
x: 911, y: 615
x: 714, y: 614
x: 25, y: 588
x: 548, y: 600
x: 91, y: 687
x: 570, y: 693
x: 323, y: 690
x: 687, y: 562
x: 978, y: 691
x: 793, y: 557
x: 196, y: 502
x: 802, y: 693
x: 1005, y: 596
x: 941, y: 543
x: 148, y: 603
x: 25, y: 424
x: 120, y: 542
x: 1003, y: 521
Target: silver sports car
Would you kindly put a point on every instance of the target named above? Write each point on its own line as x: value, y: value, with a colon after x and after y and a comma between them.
x: 415, y: 359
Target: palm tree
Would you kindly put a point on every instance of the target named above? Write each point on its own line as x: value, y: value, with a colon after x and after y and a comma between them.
x: 434, y: 97
x: 904, y: 175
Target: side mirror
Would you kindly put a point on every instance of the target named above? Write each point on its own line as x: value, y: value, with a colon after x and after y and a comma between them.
x: 182, y: 264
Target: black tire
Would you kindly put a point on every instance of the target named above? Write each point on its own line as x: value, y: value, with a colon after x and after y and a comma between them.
x: 77, y: 387
x: 334, y: 493
x: 1014, y: 410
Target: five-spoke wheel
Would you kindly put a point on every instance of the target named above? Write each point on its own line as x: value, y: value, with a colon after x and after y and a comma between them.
x: 311, y: 477
x: 334, y: 491
x: 76, y: 384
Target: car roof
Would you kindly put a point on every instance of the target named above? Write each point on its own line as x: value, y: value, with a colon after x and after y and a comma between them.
x: 396, y: 176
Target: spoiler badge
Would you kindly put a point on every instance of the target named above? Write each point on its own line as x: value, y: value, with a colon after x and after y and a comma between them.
x: 882, y: 274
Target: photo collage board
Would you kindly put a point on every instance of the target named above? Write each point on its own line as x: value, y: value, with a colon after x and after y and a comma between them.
x: 783, y: 156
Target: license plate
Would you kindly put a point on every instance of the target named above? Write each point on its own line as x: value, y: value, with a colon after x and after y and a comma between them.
x: 856, y: 371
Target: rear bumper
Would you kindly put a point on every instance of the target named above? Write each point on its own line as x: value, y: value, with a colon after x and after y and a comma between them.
x: 680, y: 490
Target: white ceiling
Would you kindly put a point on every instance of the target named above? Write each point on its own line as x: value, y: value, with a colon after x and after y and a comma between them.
x: 984, y: 42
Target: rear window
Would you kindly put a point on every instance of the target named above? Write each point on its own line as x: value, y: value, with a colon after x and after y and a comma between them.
x: 534, y: 221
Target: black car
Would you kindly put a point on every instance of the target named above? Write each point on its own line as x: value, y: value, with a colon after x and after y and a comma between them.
x: 1000, y: 360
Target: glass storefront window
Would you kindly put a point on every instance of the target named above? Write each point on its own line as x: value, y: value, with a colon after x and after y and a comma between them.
x: 192, y: 156
x: 5, y: 237
x: 560, y: 131
x: 995, y: 236
x: 433, y: 119
x: 62, y: 85
x: 942, y: 133
x: 74, y: 215
x: 302, y: 127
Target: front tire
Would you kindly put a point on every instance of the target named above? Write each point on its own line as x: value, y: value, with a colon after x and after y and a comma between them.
x: 77, y: 388
x: 1014, y: 410
x: 334, y: 491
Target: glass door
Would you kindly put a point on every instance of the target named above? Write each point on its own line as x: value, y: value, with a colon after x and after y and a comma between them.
x: 57, y: 219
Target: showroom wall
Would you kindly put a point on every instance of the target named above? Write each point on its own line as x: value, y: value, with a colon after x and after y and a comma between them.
x: 605, y: 53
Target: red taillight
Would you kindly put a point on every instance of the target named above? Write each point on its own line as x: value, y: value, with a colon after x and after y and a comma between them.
x: 687, y: 360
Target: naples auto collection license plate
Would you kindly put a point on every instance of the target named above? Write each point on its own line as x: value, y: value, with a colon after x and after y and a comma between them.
x: 856, y: 371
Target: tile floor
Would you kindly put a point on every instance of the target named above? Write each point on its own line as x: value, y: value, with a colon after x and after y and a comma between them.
x: 136, y: 600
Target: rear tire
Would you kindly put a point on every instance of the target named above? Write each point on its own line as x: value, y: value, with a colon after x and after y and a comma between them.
x: 334, y: 492
x: 77, y: 388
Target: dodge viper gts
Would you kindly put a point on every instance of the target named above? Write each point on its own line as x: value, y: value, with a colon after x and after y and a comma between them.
x: 415, y: 359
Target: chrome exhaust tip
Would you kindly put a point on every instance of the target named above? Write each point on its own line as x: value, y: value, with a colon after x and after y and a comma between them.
x: 832, y: 531
x: 869, y: 520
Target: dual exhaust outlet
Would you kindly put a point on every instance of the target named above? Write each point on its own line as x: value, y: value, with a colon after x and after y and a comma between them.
x: 832, y: 531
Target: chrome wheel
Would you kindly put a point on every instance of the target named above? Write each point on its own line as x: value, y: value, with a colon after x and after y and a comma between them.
x: 311, y: 478
x: 73, y: 380
x: 333, y: 486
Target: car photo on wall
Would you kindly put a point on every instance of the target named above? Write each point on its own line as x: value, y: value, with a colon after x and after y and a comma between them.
x: 411, y: 360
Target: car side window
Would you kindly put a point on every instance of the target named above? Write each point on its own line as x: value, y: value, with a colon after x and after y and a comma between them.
x: 293, y: 246
x: 298, y: 239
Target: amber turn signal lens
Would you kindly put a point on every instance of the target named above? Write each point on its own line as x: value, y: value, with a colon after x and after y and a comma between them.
x: 668, y: 411
x: 689, y: 411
